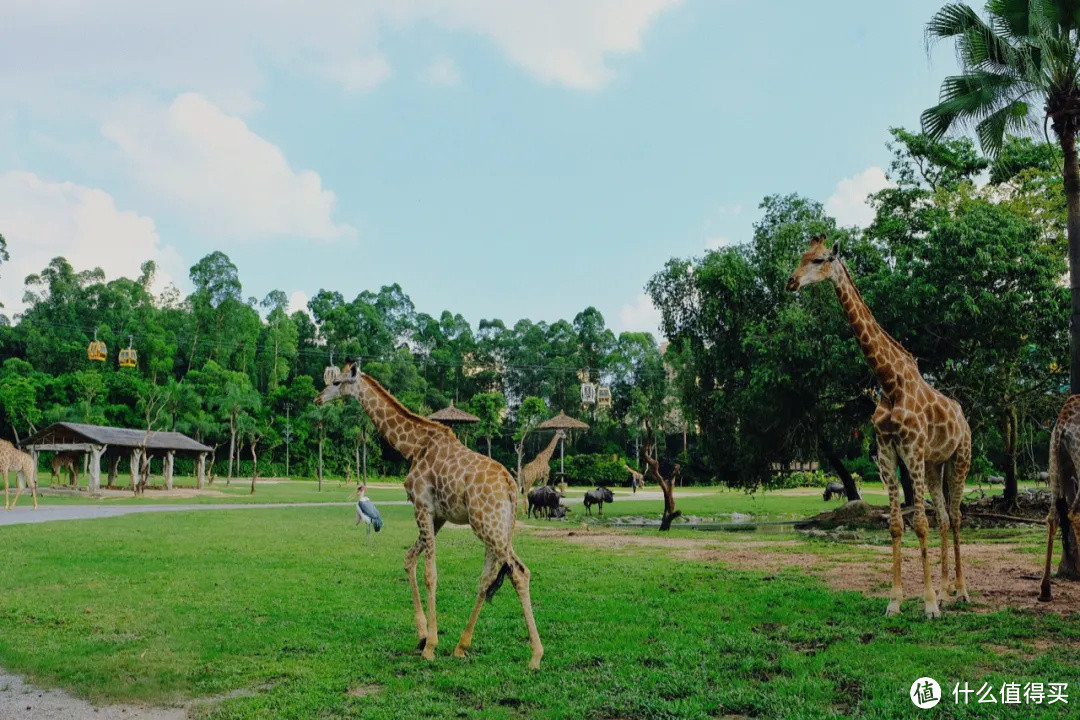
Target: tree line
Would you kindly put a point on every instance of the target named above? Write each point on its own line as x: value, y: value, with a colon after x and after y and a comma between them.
x: 963, y: 263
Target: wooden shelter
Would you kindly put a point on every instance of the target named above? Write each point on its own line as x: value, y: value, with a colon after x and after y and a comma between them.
x: 94, y: 440
x: 561, y: 423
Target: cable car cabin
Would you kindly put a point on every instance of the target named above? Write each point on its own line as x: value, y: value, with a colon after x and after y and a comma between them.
x: 588, y: 394
x: 603, y: 396
x: 129, y: 358
x: 96, y: 351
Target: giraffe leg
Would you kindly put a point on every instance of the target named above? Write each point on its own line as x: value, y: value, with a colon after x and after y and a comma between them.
x: 913, y: 457
x: 520, y: 575
x: 957, y: 475
x: 934, y: 474
x: 887, y: 472
x: 1051, y: 530
x: 431, y: 581
x: 6, y: 507
x: 419, y: 618
x: 487, y: 576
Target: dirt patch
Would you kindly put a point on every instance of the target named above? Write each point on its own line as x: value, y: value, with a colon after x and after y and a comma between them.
x: 361, y: 691
x: 998, y: 576
x: 20, y: 699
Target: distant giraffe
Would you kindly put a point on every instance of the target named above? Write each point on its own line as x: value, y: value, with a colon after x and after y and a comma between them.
x: 446, y: 482
x: 68, y: 461
x: 22, y: 464
x: 637, y: 480
x: 538, y: 470
x: 914, y: 423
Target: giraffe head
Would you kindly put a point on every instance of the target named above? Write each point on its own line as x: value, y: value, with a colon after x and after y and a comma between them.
x: 346, y: 385
x: 817, y: 264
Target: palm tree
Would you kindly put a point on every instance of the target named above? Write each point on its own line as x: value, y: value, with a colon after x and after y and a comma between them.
x: 1023, y: 52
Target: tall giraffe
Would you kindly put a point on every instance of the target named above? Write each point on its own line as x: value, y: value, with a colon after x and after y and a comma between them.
x: 914, y: 423
x: 446, y: 482
x: 1064, y: 499
x: 539, y: 468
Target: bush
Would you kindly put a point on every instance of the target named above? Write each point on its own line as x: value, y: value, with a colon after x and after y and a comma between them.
x: 595, y: 470
x: 799, y: 479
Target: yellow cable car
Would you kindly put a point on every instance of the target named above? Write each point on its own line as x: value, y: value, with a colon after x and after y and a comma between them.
x: 96, y: 351
x: 128, y: 357
x: 603, y: 396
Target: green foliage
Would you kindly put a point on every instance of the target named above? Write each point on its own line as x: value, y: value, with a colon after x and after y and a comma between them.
x: 590, y: 469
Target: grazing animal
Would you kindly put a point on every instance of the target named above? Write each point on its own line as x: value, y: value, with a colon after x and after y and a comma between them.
x: 22, y: 464
x: 367, y: 513
x: 834, y: 488
x: 599, y: 496
x: 637, y: 480
x: 914, y: 422
x: 995, y: 479
x: 542, y: 501
x: 447, y: 482
x: 1062, y: 476
x: 559, y: 513
x: 68, y: 461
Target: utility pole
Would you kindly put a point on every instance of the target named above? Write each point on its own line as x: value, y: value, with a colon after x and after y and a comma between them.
x: 288, y: 435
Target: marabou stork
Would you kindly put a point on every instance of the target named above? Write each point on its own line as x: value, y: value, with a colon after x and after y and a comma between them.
x: 367, y: 513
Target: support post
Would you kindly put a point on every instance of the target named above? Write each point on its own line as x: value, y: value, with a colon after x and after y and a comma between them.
x: 95, y: 467
x: 170, y: 457
x: 136, y: 454
x: 200, y: 470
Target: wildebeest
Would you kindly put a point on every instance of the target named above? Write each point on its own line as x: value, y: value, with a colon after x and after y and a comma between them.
x: 542, y: 501
x: 559, y: 513
x: 599, y: 496
x: 834, y: 488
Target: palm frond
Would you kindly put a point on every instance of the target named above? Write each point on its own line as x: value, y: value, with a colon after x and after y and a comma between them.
x: 1014, y: 17
x: 952, y: 20
x: 1014, y: 117
x: 970, y: 98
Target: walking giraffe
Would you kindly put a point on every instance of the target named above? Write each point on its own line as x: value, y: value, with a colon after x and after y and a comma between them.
x: 22, y: 464
x: 446, y: 482
x: 914, y: 423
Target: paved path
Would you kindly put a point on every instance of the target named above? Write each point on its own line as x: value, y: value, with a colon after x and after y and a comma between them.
x: 47, y: 513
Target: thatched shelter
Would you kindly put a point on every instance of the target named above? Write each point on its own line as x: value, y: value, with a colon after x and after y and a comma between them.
x: 561, y: 423
x: 453, y: 416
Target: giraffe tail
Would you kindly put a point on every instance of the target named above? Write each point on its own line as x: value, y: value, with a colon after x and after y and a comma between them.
x: 498, y: 581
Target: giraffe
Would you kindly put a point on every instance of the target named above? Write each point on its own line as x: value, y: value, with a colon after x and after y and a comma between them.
x: 446, y: 482
x: 637, y: 480
x: 65, y: 461
x: 1062, y: 478
x: 538, y: 470
x: 914, y: 423
x: 14, y: 460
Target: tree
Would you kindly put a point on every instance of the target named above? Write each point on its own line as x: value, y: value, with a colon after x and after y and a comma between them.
x: 238, y: 398
x: 1024, y: 51
x: 667, y: 484
x: 489, y: 408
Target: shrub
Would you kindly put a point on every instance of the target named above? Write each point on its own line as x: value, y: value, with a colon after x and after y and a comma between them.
x: 595, y: 470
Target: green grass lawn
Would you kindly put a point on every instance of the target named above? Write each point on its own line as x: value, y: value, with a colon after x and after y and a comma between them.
x: 295, y: 606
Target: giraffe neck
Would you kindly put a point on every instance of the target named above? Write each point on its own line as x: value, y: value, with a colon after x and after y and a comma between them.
x: 886, y: 357
x: 547, y: 452
x: 406, y: 431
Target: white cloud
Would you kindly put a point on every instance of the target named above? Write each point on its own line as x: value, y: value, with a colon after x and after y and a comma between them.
x: 297, y: 301
x: 52, y: 50
x: 442, y: 72
x: 848, y: 203
x: 41, y: 220
x: 227, y: 179
x: 716, y: 242
x: 730, y: 209
x: 640, y: 316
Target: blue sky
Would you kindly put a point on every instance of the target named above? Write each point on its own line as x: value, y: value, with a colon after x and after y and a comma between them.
x: 498, y: 158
